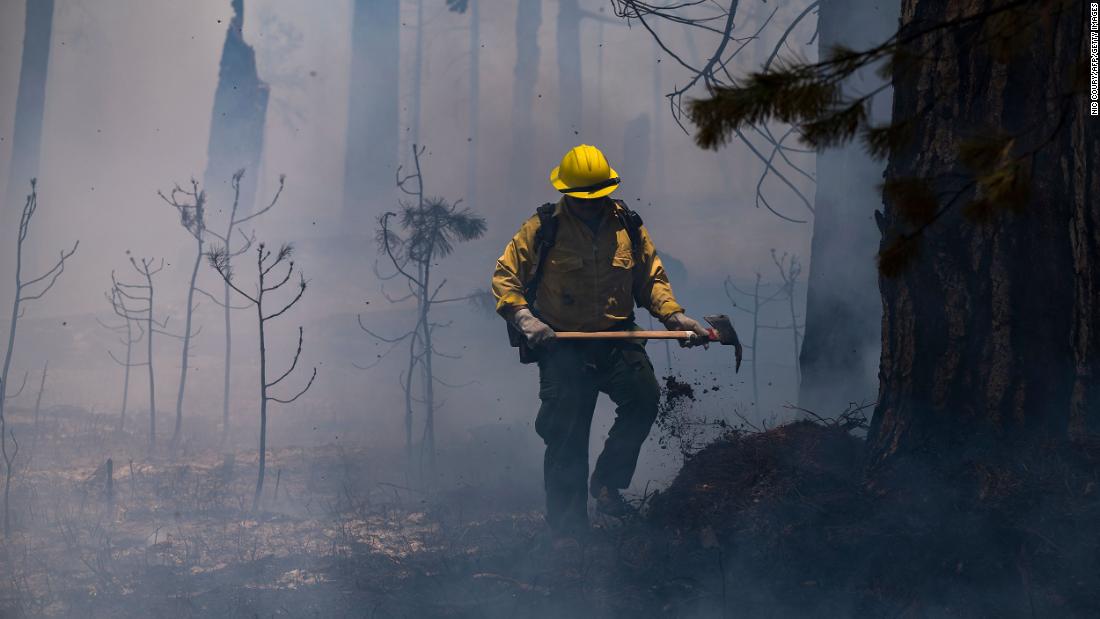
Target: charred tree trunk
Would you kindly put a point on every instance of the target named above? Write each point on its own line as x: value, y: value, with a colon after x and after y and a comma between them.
x: 373, y: 123
x: 149, y: 324
x: 842, y: 340
x: 637, y: 153
x: 38, y: 406
x: 30, y: 104
x: 991, y: 336
x: 186, y: 352
x: 523, y: 169
x: 570, y: 91
x: 237, y: 122
x: 413, y: 135
x: 227, y: 369
x: 263, y: 400
x: 475, y: 99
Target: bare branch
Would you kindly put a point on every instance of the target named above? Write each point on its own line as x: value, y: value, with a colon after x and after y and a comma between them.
x: 286, y: 278
x: 10, y: 396
x: 359, y: 318
x: 123, y: 363
x: 298, y: 297
x: 274, y: 199
x: 300, y: 393
x: 293, y: 364
x: 53, y: 274
x: 218, y: 302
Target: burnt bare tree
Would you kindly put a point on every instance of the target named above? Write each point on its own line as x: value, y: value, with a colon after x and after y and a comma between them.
x: 190, y: 203
x: 521, y: 165
x: 266, y: 283
x: 140, y: 298
x: 757, y: 300
x: 430, y: 227
x: 474, y: 8
x: 30, y: 101
x: 790, y: 269
x: 26, y: 290
x: 127, y: 337
x: 373, y: 124
x: 38, y: 406
x: 233, y: 225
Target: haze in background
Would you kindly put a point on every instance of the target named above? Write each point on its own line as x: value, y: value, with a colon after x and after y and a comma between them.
x: 128, y: 106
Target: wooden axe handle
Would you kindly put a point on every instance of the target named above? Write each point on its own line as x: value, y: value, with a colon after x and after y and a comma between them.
x: 624, y: 335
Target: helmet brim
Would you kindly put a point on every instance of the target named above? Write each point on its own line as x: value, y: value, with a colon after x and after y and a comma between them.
x: 559, y: 184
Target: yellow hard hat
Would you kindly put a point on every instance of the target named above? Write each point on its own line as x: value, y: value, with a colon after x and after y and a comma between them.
x: 584, y: 173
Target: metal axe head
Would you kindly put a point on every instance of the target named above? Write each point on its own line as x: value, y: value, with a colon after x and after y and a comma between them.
x: 724, y: 333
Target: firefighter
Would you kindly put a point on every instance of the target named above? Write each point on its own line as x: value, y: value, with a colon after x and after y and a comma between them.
x: 581, y: 264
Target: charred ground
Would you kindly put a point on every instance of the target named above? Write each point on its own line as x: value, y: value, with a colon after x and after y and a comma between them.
x: 782, y: 522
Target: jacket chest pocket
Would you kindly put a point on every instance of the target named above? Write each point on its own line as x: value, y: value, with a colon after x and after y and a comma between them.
x: 563, y: 262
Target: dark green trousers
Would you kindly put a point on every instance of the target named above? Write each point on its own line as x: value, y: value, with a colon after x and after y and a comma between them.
x: 571, y: 376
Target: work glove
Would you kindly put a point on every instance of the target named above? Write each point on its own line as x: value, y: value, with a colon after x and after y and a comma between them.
x: 536, y: 331
x: 681, y: 322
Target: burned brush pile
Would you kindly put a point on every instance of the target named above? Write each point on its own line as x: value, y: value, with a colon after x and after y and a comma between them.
x: 776, y: 507
x: 788, y: 522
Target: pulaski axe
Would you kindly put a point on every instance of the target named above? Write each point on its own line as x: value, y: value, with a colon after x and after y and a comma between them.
x: 721, y: 330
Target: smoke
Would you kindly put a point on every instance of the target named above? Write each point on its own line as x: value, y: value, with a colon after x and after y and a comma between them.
x: 129, y: 96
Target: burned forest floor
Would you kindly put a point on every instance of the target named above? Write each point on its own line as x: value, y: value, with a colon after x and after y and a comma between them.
x: 768, y: 522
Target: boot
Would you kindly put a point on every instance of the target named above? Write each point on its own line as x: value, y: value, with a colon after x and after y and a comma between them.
x: 610, y: 501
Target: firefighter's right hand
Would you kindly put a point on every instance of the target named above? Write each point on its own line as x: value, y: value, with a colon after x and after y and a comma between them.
x: 536, y: 331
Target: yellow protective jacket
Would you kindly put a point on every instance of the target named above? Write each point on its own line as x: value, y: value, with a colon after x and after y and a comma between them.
x: 590, y: 281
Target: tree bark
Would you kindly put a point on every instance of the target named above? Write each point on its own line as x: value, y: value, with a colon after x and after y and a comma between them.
x: 372, y: 136
x: 842, y: 336
x: 30, y: 104
x: 991, y: 336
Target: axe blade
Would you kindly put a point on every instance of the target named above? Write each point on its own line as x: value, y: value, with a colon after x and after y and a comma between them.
x: 726, y: 334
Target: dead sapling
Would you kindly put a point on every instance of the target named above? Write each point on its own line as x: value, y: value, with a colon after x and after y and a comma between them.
x: 130, y: 332
x: 245, y: 242
x: 38, y: 409
x: 139, y: 305
x: 758, y: 302
x: 190, y: 203
x: 266, y: 284
x: 789, y: 270
x: 25, y: 290
x: 430, y: 228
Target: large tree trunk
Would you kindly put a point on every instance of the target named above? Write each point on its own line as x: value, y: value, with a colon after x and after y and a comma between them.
x: 475, y: 98
x: 570, y: 91
x: 372, y: 135
x: 522, y: 170
x: 991, y: 336
x: 842, y: 337
x: 237, y: 121
x: 30, y: 104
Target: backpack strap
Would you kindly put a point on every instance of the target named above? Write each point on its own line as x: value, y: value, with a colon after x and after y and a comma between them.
x: 545, y: 237
x: 632, y: 222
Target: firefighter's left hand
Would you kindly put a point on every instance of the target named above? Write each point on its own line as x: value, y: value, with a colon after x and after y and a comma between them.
x: 682, y: 322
